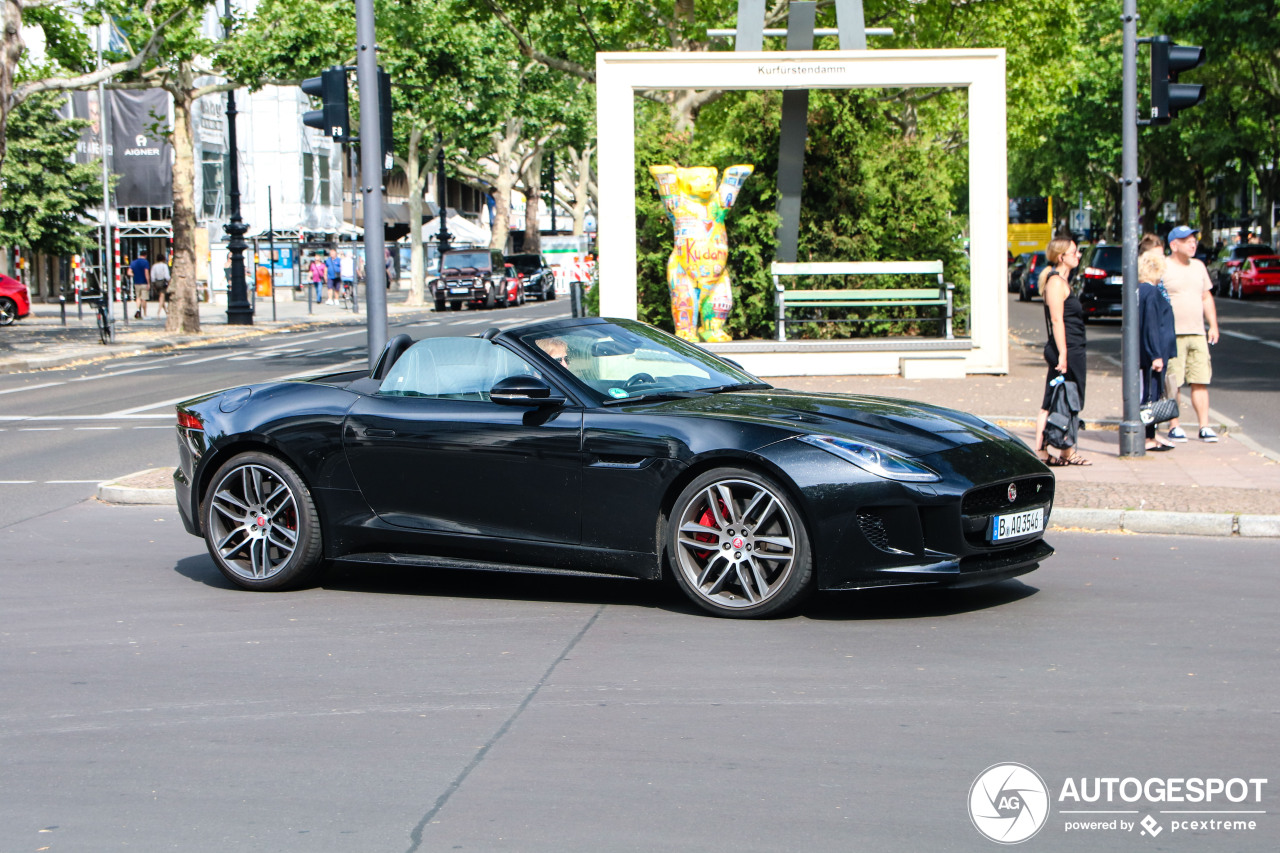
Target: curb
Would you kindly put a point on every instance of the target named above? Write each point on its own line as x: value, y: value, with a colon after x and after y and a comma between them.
x: 1167, y: 523
x: 118, y: 491
x: 1063, y: 518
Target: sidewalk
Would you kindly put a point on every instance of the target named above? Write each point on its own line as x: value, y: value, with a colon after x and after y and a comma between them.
x: 1231, y: 487
x: 41, y: 341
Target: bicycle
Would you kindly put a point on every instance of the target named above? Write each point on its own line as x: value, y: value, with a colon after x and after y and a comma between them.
x: 104, y: 321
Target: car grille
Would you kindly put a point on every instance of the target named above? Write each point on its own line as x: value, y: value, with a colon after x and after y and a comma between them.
x: 872, y: 527
x: 1032, y: 491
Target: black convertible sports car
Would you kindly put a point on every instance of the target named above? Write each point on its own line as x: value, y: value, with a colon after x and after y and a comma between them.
x: 604, y: 447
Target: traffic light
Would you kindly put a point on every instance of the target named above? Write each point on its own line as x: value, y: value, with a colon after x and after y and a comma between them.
x: 331, y: 88
x: 1168, y: 96
x: 384, y: 115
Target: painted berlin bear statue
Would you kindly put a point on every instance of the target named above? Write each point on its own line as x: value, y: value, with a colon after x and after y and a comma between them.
x: 698, y: 270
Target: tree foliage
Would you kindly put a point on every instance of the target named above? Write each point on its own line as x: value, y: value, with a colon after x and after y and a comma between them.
x: 45, y: 192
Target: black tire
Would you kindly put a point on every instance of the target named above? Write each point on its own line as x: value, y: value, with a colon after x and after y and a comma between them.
x: 8, y: 311
x: 456, y: 304
x: 489, y: 299
x: 440, y: 303
x: 757, y: 561
x: 551, y: 292
x: 1023, y: 296
x: 255, y: 506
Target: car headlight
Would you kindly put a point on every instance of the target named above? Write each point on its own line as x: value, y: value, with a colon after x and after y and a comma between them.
x: 875, y: 459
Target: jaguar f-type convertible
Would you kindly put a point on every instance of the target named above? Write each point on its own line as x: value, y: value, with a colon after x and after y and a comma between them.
x: 604, y: 447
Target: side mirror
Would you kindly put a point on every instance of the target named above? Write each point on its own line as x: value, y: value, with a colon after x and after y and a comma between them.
x: 525, y: 391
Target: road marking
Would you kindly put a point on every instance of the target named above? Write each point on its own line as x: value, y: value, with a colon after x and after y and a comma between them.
x: 215, y: 357
x: 15, y: 482
x: 1241, y: 335
x: 153, y: 427
x: 11, y: 418
x: 115, y: 373
x: 61, y: 482
x: 39, y: 429
x: 32, y: 387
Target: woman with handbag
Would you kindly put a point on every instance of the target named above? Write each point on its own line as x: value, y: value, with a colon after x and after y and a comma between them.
x: 1065, y: 350
x: 1158, y: 340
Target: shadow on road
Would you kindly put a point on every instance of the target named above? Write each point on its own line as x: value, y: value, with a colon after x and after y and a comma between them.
x: 863, y: 605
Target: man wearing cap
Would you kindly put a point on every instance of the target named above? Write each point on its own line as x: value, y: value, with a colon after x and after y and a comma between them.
x: 1190, y: 293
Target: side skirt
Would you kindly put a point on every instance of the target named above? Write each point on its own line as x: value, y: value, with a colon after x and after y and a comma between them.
x: 429, y: 562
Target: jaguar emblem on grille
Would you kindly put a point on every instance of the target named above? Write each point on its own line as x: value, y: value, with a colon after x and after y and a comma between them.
x: 1013, y: 493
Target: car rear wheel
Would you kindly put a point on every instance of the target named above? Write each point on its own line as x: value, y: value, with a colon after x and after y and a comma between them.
x: 439, y: 304
x: 261, y: 525
x: 8, y: 311
x: 737, y: 545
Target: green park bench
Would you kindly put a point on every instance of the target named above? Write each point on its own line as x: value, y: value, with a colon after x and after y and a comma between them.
x: 939, y: 296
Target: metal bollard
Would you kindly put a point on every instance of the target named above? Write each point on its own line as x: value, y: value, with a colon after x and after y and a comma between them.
x: 575, y: 298
x: 62, y: 304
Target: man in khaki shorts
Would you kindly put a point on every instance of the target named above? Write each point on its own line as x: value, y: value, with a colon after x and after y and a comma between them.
x: 1190, y: 292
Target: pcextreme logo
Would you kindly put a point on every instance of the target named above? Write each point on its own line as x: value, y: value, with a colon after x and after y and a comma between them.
x: 1009, y: 803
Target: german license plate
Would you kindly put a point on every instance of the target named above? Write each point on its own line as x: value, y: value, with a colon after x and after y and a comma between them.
x: 459, y: 290
x: 1273, y: 287
x: 1115, y: 279
x: 1016, y: 524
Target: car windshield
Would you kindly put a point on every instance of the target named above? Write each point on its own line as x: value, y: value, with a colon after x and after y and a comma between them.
x: 525, y: 263
x: 1106, y: 258
x: 625, y: 361
x: 461, y: 260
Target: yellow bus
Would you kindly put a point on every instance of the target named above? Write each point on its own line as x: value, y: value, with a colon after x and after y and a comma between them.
x: 1030, y: 224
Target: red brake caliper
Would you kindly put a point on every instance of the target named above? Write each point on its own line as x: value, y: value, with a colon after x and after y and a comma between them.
x: 708, y: 519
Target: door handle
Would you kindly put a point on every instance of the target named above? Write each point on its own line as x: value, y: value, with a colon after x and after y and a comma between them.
x: 380, y: 433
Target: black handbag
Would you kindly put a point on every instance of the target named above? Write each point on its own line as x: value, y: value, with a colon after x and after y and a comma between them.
x: 1159, y: 411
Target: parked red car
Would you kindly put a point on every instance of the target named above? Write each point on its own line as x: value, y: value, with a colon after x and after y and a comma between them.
x: 15, y: 301
x: 514, y: 285
x: 1256, y: 276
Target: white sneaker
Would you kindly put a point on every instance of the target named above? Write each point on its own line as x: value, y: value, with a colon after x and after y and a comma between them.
x: 1176, y: 434
x: 1207, y: 434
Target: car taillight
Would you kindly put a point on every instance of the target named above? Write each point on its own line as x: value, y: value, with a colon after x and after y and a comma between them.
x: 189, y: 421
x: 1094, y: 272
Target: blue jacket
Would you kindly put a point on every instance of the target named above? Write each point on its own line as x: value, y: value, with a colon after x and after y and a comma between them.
x: 1155, y: 326
x: 333, y: 267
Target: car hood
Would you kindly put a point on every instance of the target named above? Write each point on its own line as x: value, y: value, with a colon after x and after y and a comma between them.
x: 910, y: 428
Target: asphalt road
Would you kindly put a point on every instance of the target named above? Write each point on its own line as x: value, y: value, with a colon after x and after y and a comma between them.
x: 63, y: 431
x: 1246, y: 360
x: 149, y: 706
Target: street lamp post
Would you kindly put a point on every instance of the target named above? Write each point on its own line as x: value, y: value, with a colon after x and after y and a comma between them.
x: 441, y: 197
x: 239, y: 311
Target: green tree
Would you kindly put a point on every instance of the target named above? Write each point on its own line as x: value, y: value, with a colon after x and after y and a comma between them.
x: 46, y: 193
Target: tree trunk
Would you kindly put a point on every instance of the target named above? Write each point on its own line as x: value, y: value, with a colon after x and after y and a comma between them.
x: 583, y: 187
x: 413, y: 174
x: 10, y: 52
x: 504, y: 180
x: 531, y: 182
x: 184, y: 306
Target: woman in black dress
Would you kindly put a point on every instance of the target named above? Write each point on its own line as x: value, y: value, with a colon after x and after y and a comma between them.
x: 1065, y: 350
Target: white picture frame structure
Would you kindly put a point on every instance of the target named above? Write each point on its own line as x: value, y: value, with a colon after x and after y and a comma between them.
x: 982, y: 72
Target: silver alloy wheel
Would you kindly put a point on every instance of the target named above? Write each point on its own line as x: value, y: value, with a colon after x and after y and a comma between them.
x: 253, y: 521
x: 737, y: 544
x: 8, y: 312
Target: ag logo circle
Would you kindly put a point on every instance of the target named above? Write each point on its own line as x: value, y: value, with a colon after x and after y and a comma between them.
x: 1008, y: 803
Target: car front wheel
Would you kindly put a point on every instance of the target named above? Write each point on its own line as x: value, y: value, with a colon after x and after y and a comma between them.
x: 261, y: 525
x: 738, y: 546
x: 8, y: 311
